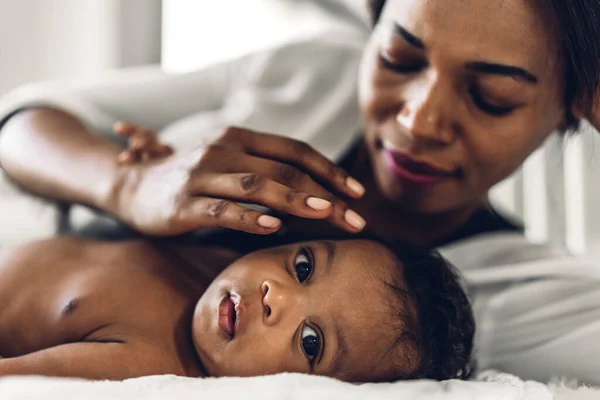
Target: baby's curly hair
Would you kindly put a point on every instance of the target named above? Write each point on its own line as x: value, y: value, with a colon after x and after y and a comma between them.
x: 433, y: 317
x: 441, y: 327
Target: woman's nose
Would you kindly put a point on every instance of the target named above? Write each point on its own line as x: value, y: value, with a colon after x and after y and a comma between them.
x: 423, y: 115
x: 274, y: 301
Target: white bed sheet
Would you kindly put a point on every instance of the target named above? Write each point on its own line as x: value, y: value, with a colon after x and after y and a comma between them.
x: 490, y: 385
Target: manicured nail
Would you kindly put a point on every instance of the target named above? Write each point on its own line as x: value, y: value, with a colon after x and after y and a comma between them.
x: 355, y: 186
x: 318, y: 204
x: 355, y: 220
x: 266, y: 221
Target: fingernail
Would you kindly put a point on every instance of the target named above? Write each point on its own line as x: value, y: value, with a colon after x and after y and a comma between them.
x: 266, y: 221
x: 354, y: 219
x: 117, y: 125
x: 318, y: 204
x: 355, y: 186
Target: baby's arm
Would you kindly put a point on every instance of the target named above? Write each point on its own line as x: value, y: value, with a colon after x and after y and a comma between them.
x: 89, y: 360
x: 143, y: 144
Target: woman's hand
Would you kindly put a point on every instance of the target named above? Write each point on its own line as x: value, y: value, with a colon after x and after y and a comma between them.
x: 164, y: 194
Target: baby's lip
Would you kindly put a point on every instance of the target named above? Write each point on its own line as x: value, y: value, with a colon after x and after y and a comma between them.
x: 237, y: 306
x: 226, y: 317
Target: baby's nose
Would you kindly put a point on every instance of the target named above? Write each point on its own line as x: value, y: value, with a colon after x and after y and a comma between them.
x: 276, y: 301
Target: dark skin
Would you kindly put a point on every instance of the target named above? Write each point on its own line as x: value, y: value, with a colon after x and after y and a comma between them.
x: 88, y: 307
x: 471, y: 88
x: 78, y: 308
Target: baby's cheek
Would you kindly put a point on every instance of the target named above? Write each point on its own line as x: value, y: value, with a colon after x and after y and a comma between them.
x: 265, y: 356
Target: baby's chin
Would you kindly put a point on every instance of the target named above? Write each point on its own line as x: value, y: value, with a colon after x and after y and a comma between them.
x: 205, y: 331
x: 198, y: 331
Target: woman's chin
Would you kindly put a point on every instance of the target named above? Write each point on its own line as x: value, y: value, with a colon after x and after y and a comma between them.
x: 417, y: 199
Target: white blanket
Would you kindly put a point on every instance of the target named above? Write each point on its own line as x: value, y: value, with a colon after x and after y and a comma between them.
x: 489, y: 386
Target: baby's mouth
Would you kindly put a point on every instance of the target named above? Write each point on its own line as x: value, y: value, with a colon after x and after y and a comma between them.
x: 236, y: 299
x: 227, y: 316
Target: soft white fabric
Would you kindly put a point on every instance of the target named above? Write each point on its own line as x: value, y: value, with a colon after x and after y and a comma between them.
x: 537, y: 308
x: 285, y: 386
x: 490, y: 385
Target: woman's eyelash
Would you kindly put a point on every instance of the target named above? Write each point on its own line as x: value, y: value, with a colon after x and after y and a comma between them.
x: 488, y: 108
x: 400, y: 68
x: 477, y: 98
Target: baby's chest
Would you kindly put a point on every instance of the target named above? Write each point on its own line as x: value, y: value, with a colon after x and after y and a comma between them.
x: 100, y: 304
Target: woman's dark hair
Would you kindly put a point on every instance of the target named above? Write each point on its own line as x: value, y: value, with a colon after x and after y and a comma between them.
x: 578, y: 23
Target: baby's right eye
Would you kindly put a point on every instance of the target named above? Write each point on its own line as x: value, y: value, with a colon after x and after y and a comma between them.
x: 303, y: 266
x: 311, y: 343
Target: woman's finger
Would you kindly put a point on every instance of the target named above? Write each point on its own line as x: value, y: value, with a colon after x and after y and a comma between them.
x: 211, y: 212
x: 257, y: 189
x: 287, y: 175
x: 298, y: 153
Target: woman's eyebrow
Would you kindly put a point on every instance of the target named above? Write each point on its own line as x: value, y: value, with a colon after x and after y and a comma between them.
x: 477, y: 66
x: 408, y: 37
x: 500, y: 69
x: 331, y: 249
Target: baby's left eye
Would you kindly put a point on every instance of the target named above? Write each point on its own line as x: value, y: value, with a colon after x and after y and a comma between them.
x: 311, y: 344
x: 303, y: 266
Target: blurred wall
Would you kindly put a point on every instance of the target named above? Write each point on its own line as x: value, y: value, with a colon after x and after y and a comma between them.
x: 51, y: 39
x: 199, y: 32
x: 54, y: 39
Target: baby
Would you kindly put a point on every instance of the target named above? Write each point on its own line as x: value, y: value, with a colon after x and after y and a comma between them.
x: 357, y: 310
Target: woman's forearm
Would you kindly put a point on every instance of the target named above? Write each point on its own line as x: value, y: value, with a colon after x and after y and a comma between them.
x: 50, y: 153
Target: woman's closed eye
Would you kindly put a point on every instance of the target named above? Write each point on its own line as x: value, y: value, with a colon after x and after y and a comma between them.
x: 303, y: 265
x: 478, y: 99
x: 400, y: 68
x: 485, y: 106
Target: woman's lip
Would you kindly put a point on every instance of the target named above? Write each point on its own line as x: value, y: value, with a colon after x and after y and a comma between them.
x: 226, y: 316
x: 405, y: 168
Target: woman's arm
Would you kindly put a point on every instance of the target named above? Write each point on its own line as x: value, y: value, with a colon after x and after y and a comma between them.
x: 52, y: 154
x: 145, y: 94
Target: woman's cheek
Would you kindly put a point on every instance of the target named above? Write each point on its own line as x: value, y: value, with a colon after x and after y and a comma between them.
x: 496, y: 155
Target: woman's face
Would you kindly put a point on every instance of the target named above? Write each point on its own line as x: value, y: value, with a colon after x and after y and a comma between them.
x: 456, y: 95
x: 317, y: 307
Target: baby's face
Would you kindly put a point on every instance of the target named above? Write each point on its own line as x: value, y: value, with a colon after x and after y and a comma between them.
x: 316, y: 307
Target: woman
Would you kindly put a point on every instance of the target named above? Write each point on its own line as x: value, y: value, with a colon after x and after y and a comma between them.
x: 454, y: 96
